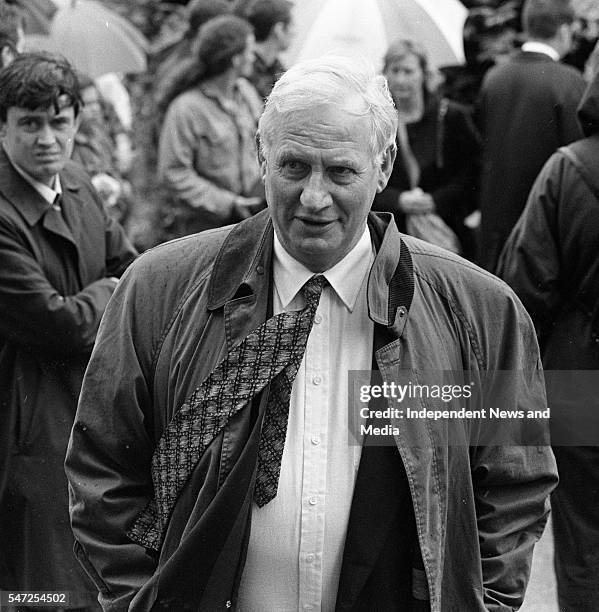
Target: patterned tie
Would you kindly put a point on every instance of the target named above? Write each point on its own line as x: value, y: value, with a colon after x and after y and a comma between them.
x: 274, y: 429
x: 270, y: 354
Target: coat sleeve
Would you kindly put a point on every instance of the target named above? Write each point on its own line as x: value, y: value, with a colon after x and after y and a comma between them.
x: 177, y: 168
x: 109, y: 454
x: 530, y: 261
x: 512, y: 480
x: 35, y: 314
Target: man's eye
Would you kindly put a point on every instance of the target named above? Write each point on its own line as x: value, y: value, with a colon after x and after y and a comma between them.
x: 30, y: 124
x: 341, y: 171
x: 294, y: 167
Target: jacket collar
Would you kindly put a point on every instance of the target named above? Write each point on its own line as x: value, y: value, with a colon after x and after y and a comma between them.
x: 245, y: 260
x: 22, y: 195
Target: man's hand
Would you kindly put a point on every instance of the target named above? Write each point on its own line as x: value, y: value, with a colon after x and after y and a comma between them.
x: 416, y: 202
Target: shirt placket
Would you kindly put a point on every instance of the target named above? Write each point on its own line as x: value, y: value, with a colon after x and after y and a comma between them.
x: 314, y: 460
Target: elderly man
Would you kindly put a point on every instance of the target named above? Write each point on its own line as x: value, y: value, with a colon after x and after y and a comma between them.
x: 60, y: 255
x: 209, y: 463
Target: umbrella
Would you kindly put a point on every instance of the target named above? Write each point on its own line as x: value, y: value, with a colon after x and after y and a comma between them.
x: 94, y: 39
x: 364, y: 28
x: 37, y: 14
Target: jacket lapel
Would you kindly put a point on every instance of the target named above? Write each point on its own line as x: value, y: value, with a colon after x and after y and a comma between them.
x: 381, y: 490
x: 28, y: 202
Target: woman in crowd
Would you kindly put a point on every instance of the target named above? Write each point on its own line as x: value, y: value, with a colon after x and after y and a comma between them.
x: 207, y: 158
x: 432, y: 188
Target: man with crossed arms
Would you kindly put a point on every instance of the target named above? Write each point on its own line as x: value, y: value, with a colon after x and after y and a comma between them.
x: 191, y: 486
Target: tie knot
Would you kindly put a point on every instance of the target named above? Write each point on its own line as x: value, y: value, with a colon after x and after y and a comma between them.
x: 312, y: 290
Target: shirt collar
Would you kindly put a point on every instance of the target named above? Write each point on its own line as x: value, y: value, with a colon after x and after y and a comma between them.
x: 345, y: 277
x: 534, y: 46
x: 48, y: 193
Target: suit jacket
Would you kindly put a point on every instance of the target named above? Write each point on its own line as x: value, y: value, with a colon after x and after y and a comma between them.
x: 526, y: 111
x: 53, y: 291
x: 477, y: 511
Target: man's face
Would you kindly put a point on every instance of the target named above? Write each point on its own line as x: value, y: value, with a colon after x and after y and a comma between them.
x: 321, y: 177
x: 40, y: 141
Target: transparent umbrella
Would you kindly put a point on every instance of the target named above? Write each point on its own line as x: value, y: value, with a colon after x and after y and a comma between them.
x: 364, y: 28
x: 94, y: 39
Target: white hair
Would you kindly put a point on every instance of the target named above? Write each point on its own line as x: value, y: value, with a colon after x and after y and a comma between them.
x: 333, y: 80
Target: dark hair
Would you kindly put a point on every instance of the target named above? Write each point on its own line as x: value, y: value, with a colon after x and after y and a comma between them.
x: 201, y: 11
x: 264, y: 15
x: 38, y: 80
x: 219, y: 41
x: 542, y: 18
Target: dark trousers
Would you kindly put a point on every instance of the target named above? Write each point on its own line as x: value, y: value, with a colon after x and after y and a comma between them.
x: 575, y: 515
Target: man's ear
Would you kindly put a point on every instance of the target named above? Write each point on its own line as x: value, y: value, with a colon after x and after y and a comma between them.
x: 386, y: 166
x: 261, y: 158
x: 7, y: 55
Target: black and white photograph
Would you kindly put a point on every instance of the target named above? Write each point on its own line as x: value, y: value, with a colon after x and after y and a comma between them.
x: 299, y: 305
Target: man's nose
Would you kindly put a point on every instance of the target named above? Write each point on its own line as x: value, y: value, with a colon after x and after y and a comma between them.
x: 315, y: 193
x: 46, y: 136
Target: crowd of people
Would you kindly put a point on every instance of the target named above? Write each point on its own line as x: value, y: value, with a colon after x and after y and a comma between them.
x: 191, y: 432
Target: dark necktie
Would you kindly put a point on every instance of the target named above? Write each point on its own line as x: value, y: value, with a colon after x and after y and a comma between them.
x: 270, y: 354
x: 274, y: 429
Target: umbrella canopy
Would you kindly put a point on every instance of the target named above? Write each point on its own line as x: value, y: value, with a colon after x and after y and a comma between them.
x: 364, y: 28
x: 94, y: 39
x: 37, y: 14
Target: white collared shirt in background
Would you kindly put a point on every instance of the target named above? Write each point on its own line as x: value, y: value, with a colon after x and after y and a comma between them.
x: 534, y: 46
x: 297, y: 540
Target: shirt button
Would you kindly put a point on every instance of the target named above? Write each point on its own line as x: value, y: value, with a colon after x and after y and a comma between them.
x: 317, y: 380
x: 318, y: 319
x: 312, y: 501
x: 315, y: 440
x: 310, y: 558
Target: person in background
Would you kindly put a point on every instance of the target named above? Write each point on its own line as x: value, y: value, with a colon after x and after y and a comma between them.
x: 61, y: 258
x: 11, y: 34
x: 273, y: 29
x: 438, y: 147
x: 96, y: 148
x: 585, y: 32
x: 551, y: 260
x: 526, y: 110
x: 198, y: 13
x: 206, y: 157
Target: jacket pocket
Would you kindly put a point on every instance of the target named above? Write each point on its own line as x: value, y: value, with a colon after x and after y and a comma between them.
x: 90, y: 569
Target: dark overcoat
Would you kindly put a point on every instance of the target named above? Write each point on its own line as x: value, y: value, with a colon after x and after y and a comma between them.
x: 54, y: 287
x: 526, y: 111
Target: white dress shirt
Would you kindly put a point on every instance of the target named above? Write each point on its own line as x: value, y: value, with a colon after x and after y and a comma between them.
x: 297, y: 539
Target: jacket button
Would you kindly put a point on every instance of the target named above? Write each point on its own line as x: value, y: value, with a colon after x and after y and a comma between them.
x: 260, y: 269
x: 402, y: 311
x: 229, y: 603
